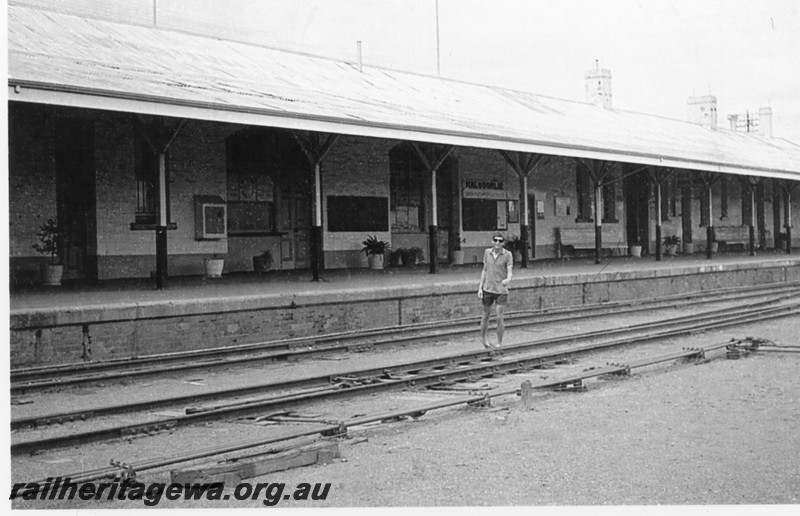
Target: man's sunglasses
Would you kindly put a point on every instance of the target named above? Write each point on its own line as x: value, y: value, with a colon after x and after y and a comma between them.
x: 497, y: 239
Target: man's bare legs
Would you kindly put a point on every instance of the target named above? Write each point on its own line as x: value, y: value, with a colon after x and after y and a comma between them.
x: 501, y: 328
x: 485, y: 325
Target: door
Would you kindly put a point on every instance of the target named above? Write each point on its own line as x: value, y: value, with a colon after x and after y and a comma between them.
x: 75, y: 194
x: 294, y: 220
x: 302, y: 230
x: 637, y: 208
x: 532, y: 214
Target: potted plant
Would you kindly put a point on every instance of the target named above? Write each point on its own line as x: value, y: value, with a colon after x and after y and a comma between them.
x: 688, y: 247
x: 517, y: 246
x: 458, y: 257
x: 671, y: 244
x: 410, y: 256
x: 635, y: 250
x: 375, y: 249
x: 262, y: 262
x: 52, y: 242
x: 214, y: 266
x: 417, y: 254
x: 395, y: 257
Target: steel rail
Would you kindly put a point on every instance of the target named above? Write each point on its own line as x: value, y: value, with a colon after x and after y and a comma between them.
x: 412, y: 378
x: 26, y: 380
x: 328, y: 379
x: 339, y: 428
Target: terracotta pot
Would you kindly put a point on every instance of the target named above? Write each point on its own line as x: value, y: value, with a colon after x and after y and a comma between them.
x: 52, y: 274
x: 375, y: 261
x: 260, y: 264
x: 214, y: 267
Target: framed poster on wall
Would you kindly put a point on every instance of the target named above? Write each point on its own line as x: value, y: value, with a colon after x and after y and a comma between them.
x: 513, y: 212
x: 562, y: 205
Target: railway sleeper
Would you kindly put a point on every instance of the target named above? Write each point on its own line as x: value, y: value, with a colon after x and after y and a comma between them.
x: 340, y: 431
x: 149, y: 429
x: 126, y: 472
x: 47, y: 421
x: 345, y: 382
x: 483, y: 402
x: 624, y: 369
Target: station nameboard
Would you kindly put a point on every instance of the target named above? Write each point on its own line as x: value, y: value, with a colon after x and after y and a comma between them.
x: 484, y: 189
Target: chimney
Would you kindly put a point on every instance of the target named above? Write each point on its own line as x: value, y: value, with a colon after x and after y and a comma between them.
x: 598, y: 86
x: 765, y: 121
x: 703, y: 111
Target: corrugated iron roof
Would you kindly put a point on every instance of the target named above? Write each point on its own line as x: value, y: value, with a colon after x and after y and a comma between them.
x: 63, y: 59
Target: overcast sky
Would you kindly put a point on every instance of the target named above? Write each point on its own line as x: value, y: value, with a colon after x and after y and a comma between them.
x: 660, y: 52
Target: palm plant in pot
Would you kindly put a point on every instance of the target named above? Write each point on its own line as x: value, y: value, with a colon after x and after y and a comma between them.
x: 671, y: 244
x: 51, y: 243
x: 411, y: 256
x: 262, y: 262
x: 375, y: 250
x: 517, y: 246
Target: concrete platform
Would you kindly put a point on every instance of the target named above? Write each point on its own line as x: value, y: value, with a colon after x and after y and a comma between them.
x: 130, y: 318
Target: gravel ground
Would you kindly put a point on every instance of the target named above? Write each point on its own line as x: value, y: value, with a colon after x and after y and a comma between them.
x: 717, y: 432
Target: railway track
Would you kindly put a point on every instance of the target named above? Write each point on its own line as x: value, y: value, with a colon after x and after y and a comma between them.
x: 452, y: 368
x: 118, y: 470
x: 26, y: 380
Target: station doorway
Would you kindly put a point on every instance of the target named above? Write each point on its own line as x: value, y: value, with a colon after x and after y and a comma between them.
x: 637, y: 207
x: 75, y: 195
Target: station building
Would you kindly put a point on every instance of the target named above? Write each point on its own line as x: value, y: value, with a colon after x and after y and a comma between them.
x: 155, y: 149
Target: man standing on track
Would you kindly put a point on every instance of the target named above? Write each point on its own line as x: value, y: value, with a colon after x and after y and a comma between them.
x: 493, y: 288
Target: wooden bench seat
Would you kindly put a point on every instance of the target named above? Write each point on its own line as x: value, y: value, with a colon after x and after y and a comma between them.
x: 582, y: 237
x: 732, y: 235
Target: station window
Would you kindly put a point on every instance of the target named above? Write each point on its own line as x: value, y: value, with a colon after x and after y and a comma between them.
x: 250, y: 185
x: 703, y: 208
x: 483, y: 214
x: 747, y: 206
x: 585, y: 194
x: 146, y: 167
x: 723, y: 186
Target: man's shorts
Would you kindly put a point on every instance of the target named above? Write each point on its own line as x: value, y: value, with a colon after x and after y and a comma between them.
x: 490, y: 298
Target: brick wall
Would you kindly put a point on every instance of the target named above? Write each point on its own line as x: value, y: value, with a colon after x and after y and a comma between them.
x: 359, y: 167
x: 41, y: 337
x: 354, y: 166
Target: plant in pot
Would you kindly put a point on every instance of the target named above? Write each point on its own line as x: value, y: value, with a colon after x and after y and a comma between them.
x: 52, y: 242
x: 375, y: 250
x: 410, y: 256
x: 635, y: 250
x: 516, y: 245
x: 214, y: 266
x: 671, y: 244
x: 458, y: 255
x: 688, y: 247
x: 262, y: 262
x: 395, y: 257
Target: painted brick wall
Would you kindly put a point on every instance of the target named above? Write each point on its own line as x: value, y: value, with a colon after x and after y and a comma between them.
x: 359, y: 167
x: 32, y: 188
x: 196, y: 167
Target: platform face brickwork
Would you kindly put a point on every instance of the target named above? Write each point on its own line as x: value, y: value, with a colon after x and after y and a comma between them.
x: 40, y: 338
